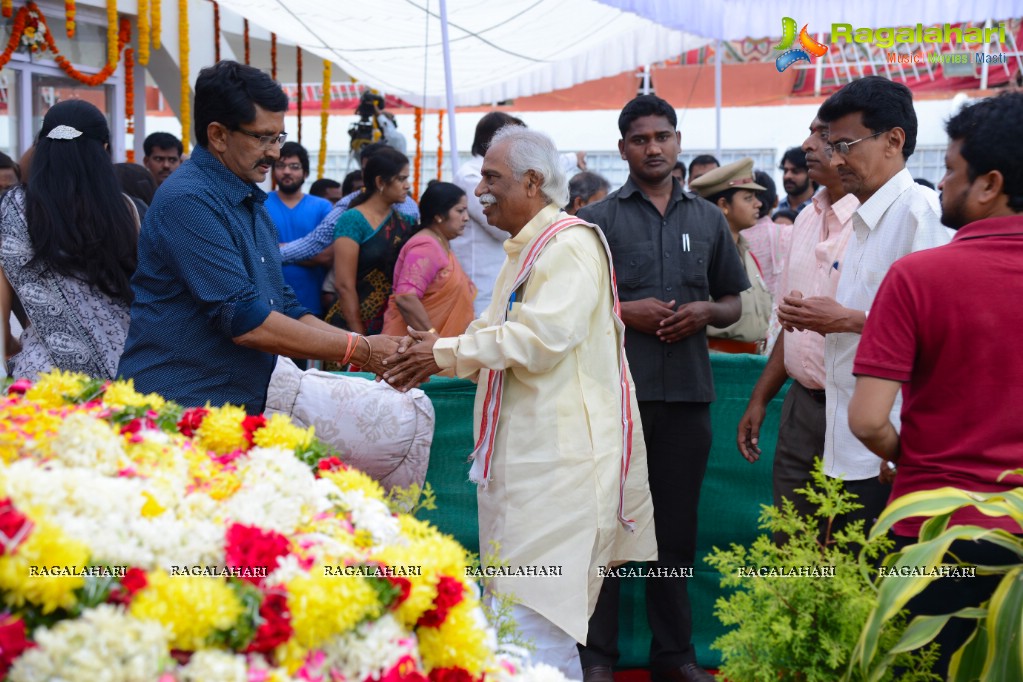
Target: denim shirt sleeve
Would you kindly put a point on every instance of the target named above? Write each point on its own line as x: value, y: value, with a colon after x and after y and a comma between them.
x: 205, y: 257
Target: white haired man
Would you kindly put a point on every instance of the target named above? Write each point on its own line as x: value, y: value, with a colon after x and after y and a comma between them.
x: 560, y: 457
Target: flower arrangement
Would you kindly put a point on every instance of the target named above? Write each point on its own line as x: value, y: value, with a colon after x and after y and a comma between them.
x: 186, y: 90
x: 155, y: 22
x: 440, y: 144
x: 321, y: 160
x: 145, y: 32
x: 70, y: 9
x: 112, y: 48
x: 143, y: 541
x: 417, y: 161
x: 34, y: 33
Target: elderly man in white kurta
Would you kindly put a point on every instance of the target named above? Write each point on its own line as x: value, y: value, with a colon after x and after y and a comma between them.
x: 560, y: 458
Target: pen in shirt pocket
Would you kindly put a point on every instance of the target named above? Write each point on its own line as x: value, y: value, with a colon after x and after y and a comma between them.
x: 511, y: 301
x: 834, y: 266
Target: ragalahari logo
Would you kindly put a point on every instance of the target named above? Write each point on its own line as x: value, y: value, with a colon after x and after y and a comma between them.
x: 809, y: 46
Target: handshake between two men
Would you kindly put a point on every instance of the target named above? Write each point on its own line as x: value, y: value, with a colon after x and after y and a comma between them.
x: 403, y: 362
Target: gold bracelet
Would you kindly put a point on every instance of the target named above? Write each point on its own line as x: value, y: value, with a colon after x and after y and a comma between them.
x: 431, y: 330
x: 369, y: 347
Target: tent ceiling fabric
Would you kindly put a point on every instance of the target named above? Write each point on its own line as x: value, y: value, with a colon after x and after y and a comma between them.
x: 499, y: 50
x: 738, y: 19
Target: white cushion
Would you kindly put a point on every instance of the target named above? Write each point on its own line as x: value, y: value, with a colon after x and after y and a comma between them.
x: 384, y: 433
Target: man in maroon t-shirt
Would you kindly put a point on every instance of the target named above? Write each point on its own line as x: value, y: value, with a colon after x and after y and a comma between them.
x: 944, y: 329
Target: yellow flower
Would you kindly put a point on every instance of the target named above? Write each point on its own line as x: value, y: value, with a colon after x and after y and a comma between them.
x: 434, y: 553
x: 279, y: 432
x: 151, y: 508
x: 123, y: 394
x: 324, y: 605
x: 348, y: 480
x: 191, y: 608
x: 222, y: 431
x: 50, y: 389
x: 47, y: 547
x: 460, y: 641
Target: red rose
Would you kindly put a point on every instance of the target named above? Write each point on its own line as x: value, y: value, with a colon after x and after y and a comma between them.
x: 135, y: 426
x: 405, y: 588
x: 449, y: 592
x: 450, y: 675
x: 134, y: 580
x: 331, y: 464
x: 275, y: 628
x: 191, y: 420
x: 404, y: 670
x: 19, y: 387
x: 254, y: 548
x: 14, y: 527
x: 251, y: 424
x: 13, y: 642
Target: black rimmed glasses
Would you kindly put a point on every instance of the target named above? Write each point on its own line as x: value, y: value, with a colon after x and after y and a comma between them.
x: 843, y: 147
x: 265, y: 140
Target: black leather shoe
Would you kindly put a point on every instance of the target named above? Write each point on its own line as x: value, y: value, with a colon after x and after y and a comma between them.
x: 689, y: 672
x: 598, y: 673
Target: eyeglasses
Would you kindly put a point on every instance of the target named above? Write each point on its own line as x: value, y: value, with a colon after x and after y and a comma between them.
x: 843, y: 147
x: 288, y: 166
x: 265, y: 140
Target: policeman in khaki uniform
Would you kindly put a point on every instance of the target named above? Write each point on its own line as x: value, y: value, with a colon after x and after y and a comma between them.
x: 731, y: 189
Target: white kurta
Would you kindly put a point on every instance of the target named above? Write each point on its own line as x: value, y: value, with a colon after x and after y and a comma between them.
x: 554, y: 492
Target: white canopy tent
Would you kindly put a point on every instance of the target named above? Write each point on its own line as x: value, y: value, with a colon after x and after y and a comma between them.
x: 738, y: 19
x: 497, y: 50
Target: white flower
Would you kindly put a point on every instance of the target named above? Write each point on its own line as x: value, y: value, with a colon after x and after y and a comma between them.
x: 370, y: 650
x: 371, y: 515
x: 104, y: 643
x: 210, y: 664
x: 84, y: 441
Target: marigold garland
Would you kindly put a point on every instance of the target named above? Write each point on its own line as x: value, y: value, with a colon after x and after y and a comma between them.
x: 145, y: 34
x: 121, y: 38
x: 273, y: 56
x: 324, y: 116
x: 298, y: 70
x: 186, y: 106
x: 245, y: 39
x: 112, y: 48
x: 69, y: 17
x: 155, y: 22
x: 216, y: 31
x: 129, y: 98
x: 7, y: 8
x: 440, y: 143
x: 417, y: 164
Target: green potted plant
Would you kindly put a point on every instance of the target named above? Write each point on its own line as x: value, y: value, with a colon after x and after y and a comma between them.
x: 798, y: 609
x: 994, y: 652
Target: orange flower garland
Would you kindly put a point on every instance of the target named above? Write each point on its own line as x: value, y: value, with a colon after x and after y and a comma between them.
x: 216, y: 32
x: 112, y: 48
x: 145, y: 35
x: 298, y: 69
x: 156, y: 23
x: 7, y: 8
x: 129, y: 98
x: 417, y: 164
x: 245, y: 38
x: 440, y: 143
x: 324, y: 116
x: 69, y: 17
x: 186, y: 105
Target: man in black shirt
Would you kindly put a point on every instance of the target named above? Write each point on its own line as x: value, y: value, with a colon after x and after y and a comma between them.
x: 678, y: 271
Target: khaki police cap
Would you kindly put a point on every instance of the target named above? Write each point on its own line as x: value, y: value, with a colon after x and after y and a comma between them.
x: 735, y: 175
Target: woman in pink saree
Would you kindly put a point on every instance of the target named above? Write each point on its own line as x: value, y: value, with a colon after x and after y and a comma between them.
x: 431, y: 291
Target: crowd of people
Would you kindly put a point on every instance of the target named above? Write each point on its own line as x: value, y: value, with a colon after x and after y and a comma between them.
x: 585, y: 314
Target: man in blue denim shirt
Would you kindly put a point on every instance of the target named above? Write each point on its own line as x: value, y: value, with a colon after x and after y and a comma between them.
x: 211, y: 309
